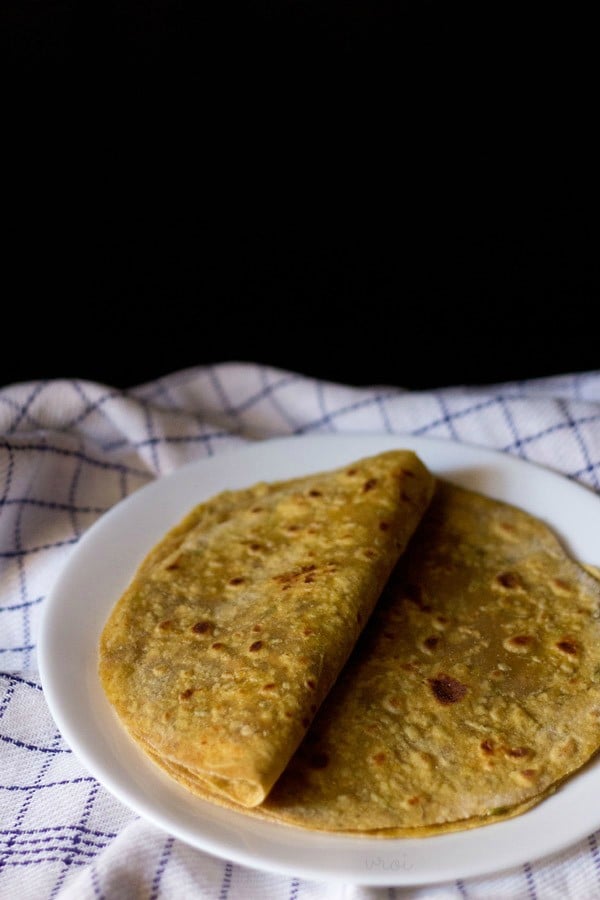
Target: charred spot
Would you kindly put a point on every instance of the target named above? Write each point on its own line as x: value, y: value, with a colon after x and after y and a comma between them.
x: 369, y: 554
x: 369, y: 485
x: 166, y: 625
x: 308, y: 631
x: 255, y: 647
x: 487, y: 746
x: 314, y: 493
x: 311, y: 684
x: 319, y: 760
x: 379, y: 758
x: 173, y: 565
x: 270, y: 686
x: 529, y: 773
x: 384, y: 526
x: 185, y: 695
x: 257, y: 627
x: 414, y: 800
x: 256, y: 509
x: 256, y: 548
x: 309, y: 579
x: 237, y: 580
x: 203, y: 628
x: 292, y: 528
x: 351, y: 471
x: 568, y: 646
x: 447, y: 689
x: 408, y: 473
x: 431, y: 642
x: 217, y: 645
x: 509, y: 580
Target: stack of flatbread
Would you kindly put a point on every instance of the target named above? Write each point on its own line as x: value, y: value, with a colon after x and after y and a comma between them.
x: 368, y: 650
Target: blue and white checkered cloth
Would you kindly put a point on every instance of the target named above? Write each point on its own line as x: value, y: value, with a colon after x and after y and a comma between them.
x: 69, y: 450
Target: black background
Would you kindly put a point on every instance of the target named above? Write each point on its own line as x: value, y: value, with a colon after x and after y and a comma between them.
x: 367, y: 192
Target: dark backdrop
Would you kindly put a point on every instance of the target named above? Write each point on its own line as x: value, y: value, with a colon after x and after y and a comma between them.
x: 367, y: 192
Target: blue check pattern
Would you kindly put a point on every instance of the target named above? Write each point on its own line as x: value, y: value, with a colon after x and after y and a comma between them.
x: 69, y: 450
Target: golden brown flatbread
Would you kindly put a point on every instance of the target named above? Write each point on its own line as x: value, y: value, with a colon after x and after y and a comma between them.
x: 238, y: 623
x: 473, y: 693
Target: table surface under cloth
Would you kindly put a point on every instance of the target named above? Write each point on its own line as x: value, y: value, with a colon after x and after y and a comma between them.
x: 70, y: 450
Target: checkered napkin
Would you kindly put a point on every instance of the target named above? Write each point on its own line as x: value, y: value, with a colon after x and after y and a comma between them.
x: 69, y: 450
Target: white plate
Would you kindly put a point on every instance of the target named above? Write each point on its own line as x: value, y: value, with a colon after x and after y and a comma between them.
x: 105, y: 560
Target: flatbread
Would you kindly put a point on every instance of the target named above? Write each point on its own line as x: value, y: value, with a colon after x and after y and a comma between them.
x: 238, y: 623
x: 473, y: 693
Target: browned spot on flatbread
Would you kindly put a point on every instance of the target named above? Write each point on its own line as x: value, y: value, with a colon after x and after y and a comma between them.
x: 431, y: 642
x: 203, y: 628
x: 517, y: 752
x: 185, y: 695
x: 447, y: 689
x: 509, y: 580
x: 519, y: 643
x: 567, y: 645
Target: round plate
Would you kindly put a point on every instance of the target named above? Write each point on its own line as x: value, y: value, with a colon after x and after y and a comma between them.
x: 105, y: 560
